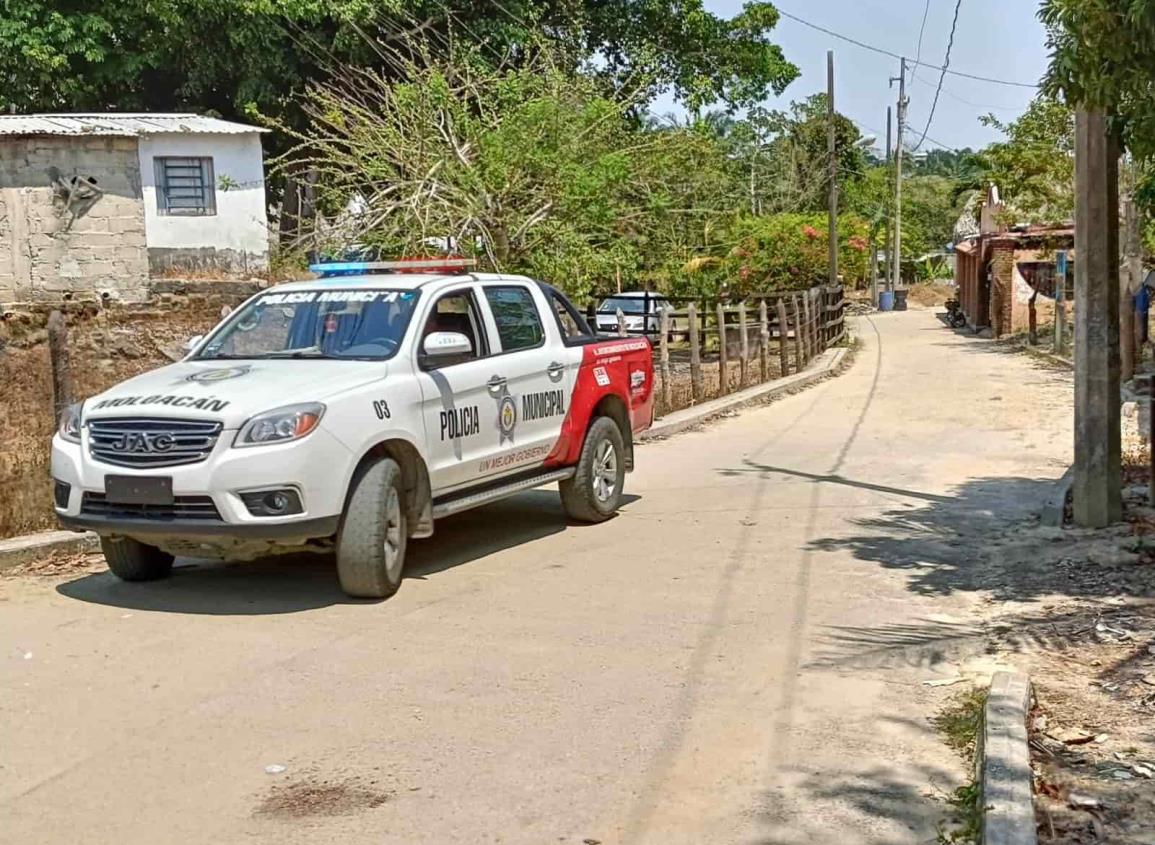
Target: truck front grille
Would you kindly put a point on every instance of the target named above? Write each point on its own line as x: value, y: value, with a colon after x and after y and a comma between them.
x: 148, y: 443
x: 182, y: 507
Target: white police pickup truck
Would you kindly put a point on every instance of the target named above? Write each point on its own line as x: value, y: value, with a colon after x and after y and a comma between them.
x: 348, y: 413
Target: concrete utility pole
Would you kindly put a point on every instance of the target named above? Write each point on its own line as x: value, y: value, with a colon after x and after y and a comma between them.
x: 1098, y: 453
x: 832, y: 154
x: 897, y: 260
x: 886, y: 275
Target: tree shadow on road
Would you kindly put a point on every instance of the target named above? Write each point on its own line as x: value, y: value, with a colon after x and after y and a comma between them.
x: 295, y: 583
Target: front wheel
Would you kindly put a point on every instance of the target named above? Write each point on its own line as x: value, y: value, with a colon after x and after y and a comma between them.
x: 594, y: 493
x: 132, y: 560
x: 374, y: 533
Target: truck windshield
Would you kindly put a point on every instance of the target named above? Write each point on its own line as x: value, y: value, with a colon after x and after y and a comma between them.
x: 344, y: 324
x: 627, y: 304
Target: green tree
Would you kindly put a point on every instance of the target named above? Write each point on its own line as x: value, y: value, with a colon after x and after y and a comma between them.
x: 229, y: 56
x: 1034, y: 167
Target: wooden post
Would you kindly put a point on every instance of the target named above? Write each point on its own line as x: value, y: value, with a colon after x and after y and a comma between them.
x: 1032, y: 318
x: 621, y: 323
x: 723, y: 363
x: 664, y: 359
x: 61, y: 368
x: 744, y: 341
x: 807, y: 327
x: 783, y: 337
x: 1098, y: 448
x: 799, y: 343
x: 695, y: 353
x: 764, y: 335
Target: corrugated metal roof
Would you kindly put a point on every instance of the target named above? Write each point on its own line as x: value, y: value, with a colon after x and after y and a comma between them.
x: 118, y: 125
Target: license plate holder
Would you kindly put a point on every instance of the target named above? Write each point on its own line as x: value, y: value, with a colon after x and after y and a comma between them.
x: 138, y: 489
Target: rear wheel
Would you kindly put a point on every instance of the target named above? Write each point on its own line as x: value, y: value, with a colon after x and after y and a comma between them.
x: 132, y: 560
x: 594, y: 493
x: 374, y: 533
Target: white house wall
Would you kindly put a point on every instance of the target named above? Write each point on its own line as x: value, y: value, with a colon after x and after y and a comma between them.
x: 236, y: 238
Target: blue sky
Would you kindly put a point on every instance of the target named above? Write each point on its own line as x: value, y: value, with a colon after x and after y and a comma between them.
x: 995, y: 38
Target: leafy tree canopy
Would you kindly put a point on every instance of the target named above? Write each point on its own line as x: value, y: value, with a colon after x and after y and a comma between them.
x: 226, y: 56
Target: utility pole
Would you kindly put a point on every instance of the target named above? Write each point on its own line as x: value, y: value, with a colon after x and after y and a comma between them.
x: 832, y: 153
x: 886, y: 275
x: 1098, y: 460
x: 897, y: 263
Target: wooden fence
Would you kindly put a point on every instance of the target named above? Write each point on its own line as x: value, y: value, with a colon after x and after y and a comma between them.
x: 709, y: 349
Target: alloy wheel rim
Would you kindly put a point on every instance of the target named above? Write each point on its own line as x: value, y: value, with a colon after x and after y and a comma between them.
x: 605, y: 474
x: 393, y: 539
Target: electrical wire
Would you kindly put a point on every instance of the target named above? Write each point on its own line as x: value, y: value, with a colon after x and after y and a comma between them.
x: 892, y: 55
x: 942, y: 76
x: 921, y: 32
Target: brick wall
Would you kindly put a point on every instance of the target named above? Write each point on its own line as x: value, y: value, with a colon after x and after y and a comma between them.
x: 1002, y: 259
x: 85, y: 236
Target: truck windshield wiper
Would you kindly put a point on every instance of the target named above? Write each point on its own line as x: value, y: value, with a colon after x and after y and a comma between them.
x: 302, y: 352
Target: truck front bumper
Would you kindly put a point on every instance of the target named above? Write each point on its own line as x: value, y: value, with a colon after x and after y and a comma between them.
x: 316, y: 467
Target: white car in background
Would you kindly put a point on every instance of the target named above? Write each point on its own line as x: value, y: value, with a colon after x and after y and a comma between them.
x: 642, y: 311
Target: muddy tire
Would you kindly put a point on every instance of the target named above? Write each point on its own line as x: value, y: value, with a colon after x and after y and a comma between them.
x: 594, y: 494
x: 132, y: 560
x: 374, y: 533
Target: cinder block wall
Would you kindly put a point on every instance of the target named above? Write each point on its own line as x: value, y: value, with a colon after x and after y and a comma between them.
x: 86, y: 237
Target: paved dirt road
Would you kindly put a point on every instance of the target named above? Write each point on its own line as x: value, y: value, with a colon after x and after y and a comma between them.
x: 725, y: 663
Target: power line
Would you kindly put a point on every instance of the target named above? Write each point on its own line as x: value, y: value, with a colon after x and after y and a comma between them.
x: 883, y: 52
x: 954, y: 96
x: 942, y: 76
x: 921, y: 32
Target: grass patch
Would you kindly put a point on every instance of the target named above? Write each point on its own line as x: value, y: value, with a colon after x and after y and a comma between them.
x: 959, y: 723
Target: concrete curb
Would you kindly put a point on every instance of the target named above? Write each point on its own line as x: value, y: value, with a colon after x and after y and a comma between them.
x: 1004, y: 763
x: 830, y: 362
x: 1055, y: 507
x: 20, y: 550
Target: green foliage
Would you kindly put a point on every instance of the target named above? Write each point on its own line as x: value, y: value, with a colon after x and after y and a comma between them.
x: 784, y: 251
x: 1035, y: 166
x: 233, y: 56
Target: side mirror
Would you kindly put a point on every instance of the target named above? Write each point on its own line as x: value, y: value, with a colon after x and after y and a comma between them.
x: 193, y: 342
x: 443, y: 347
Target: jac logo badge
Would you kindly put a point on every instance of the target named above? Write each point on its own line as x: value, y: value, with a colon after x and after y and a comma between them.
x: 143, y: 443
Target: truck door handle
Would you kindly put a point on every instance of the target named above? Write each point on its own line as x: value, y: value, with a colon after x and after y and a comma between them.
x: 555, y: 371
x: 495, y: 384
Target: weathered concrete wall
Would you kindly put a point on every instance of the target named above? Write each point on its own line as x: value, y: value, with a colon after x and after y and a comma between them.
x: 234, y: 239
x: 71, y: 219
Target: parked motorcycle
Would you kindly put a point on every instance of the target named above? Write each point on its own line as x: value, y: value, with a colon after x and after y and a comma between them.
x: 955, y: 317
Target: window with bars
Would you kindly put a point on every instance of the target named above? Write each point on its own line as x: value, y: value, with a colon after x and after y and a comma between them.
x: 185, y: 186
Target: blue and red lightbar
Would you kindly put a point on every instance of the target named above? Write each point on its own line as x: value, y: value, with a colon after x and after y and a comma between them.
x: 327, y: 269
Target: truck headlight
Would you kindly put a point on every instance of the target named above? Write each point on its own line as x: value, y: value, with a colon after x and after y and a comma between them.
x: 280, y: 425
x: 69, y: 428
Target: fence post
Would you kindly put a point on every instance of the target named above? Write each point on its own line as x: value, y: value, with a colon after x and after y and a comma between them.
x: 808, y: 340
x: 664, y: 360
x: 799, y: 342
x: 61, y: 368
x: 783, y: 337
x: 621, y: 323
x: 764, y: 338
x: 744, y: 342
x: 695, y: 353
x: 723, y: 363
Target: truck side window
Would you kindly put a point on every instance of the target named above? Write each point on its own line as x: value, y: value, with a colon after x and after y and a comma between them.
x: 456, y: 312
x: 570, y: 323
x: 518, y: 322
